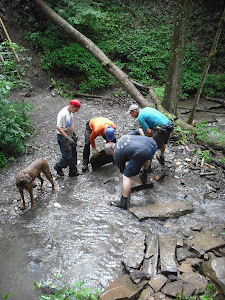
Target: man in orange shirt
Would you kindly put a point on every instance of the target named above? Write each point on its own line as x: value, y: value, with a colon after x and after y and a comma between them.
x: 96, y: 127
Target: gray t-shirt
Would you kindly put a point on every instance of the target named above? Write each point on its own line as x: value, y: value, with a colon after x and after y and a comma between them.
x: 132, y: 146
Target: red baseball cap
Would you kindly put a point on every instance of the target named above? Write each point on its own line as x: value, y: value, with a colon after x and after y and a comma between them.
x: 75, y: 103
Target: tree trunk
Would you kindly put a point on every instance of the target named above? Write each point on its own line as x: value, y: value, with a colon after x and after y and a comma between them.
x: 106, y: 63
x: 87, y: 44
x: 175, y: 68
x: 206, y: 69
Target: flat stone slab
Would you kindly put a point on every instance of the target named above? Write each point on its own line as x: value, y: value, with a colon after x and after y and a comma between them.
x: 162, y: 210
x: 195, y: 279
x: 157, y: 282
x: 151, y: 255
x: 133, y: 252
x: 205, y: 242
x: 167, y: 248
x: 178, y: 287
x: 123, y: 288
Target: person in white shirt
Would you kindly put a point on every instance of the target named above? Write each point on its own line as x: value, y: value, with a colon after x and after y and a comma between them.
x: 67, y: 140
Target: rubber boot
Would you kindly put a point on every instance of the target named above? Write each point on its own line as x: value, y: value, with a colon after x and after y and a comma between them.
x: 73, y: 173
x: 58, y: 170
x: 149, y: 169
x: 143, y: 176
x: 161, y: 159
x: 85, y: 168
x: 122, y: 203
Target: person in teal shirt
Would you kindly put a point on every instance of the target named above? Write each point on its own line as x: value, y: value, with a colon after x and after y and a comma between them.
x: 154, y: 124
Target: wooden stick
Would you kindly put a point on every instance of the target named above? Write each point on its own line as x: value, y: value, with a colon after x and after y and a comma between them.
x: 2, y: 59
x: 90, y: 96
x: 3, y: 26
x: 207, y: 173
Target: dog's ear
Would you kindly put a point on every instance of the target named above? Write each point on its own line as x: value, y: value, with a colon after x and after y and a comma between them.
x: 23, y: 179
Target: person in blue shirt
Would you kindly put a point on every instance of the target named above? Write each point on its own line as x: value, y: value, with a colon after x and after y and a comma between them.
x: 154, y: 124
x: 137, y: 150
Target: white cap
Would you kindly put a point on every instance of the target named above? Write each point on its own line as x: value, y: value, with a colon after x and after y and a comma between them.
x: 133, y: 107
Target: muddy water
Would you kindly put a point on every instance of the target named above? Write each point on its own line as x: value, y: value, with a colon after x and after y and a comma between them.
x: 75, y: 234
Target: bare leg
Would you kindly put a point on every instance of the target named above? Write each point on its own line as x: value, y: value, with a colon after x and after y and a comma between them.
x: 163, y: 148
x: 126, y: 186
x: 146, y: 165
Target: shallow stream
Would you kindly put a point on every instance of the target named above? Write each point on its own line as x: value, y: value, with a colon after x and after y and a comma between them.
x: 75, y: 234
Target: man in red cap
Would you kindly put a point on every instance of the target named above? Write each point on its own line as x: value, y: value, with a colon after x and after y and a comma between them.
x: 66, y: 139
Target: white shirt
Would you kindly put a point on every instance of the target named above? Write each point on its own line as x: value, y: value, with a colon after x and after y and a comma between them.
x: 65, y: 121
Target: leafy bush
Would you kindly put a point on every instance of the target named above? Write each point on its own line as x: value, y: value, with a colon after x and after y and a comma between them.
x: 14, y: 122
x: 136, y: 37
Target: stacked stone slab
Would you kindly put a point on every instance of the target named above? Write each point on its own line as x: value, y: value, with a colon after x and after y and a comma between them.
x: 160, y: 267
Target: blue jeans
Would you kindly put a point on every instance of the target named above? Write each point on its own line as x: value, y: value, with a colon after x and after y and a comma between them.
x: 69, y: 153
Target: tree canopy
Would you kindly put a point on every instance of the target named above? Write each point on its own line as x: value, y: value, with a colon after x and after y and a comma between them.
x: 135, y: 36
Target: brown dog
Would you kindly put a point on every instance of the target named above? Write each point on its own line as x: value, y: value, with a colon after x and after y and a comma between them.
x: 25, y: 179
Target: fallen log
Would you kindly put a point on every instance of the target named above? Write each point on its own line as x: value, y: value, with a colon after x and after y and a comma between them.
x: 216, y: 100
x: 90, y: 96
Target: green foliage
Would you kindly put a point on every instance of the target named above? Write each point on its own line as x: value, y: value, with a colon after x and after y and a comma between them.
x: 205, y: 155
x: 214, y: 135
x: 202, y: 133
x: 75, y: 291
x: 159, y: 92
x: 14, y: 122
x: 137, y: 40
x: 8, y: 295
x: 182, y: 135
x: 62, y: 89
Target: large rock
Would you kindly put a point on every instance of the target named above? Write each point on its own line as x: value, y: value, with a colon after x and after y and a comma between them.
x: 178, y: 287
x: 167, y: 248
x: 147, y: 293
x: 183, y: 253
x: 215, y: 270
x: 133, y: 253
x: 123, y: 288
x: 162, y: 210
x: 195, y: 279
x: 202, y: 243
x: 157, y: 282
x: 151, y: 255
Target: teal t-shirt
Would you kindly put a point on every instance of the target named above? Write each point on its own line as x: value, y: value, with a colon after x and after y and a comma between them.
x: 152, y: 118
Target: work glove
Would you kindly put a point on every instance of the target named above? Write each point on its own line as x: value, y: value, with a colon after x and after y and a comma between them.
x: 95, y: 152
x: 75, y: 137
x: 70, y: 140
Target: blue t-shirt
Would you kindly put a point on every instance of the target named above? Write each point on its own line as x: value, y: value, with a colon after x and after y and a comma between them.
x: 132, y: 146
x: 152, y: 118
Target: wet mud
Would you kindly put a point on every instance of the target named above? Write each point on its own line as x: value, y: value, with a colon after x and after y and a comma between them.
x: 75, y: 234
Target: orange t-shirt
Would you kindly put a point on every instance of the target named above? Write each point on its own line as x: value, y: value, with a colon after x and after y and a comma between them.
x: 98, y: 126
